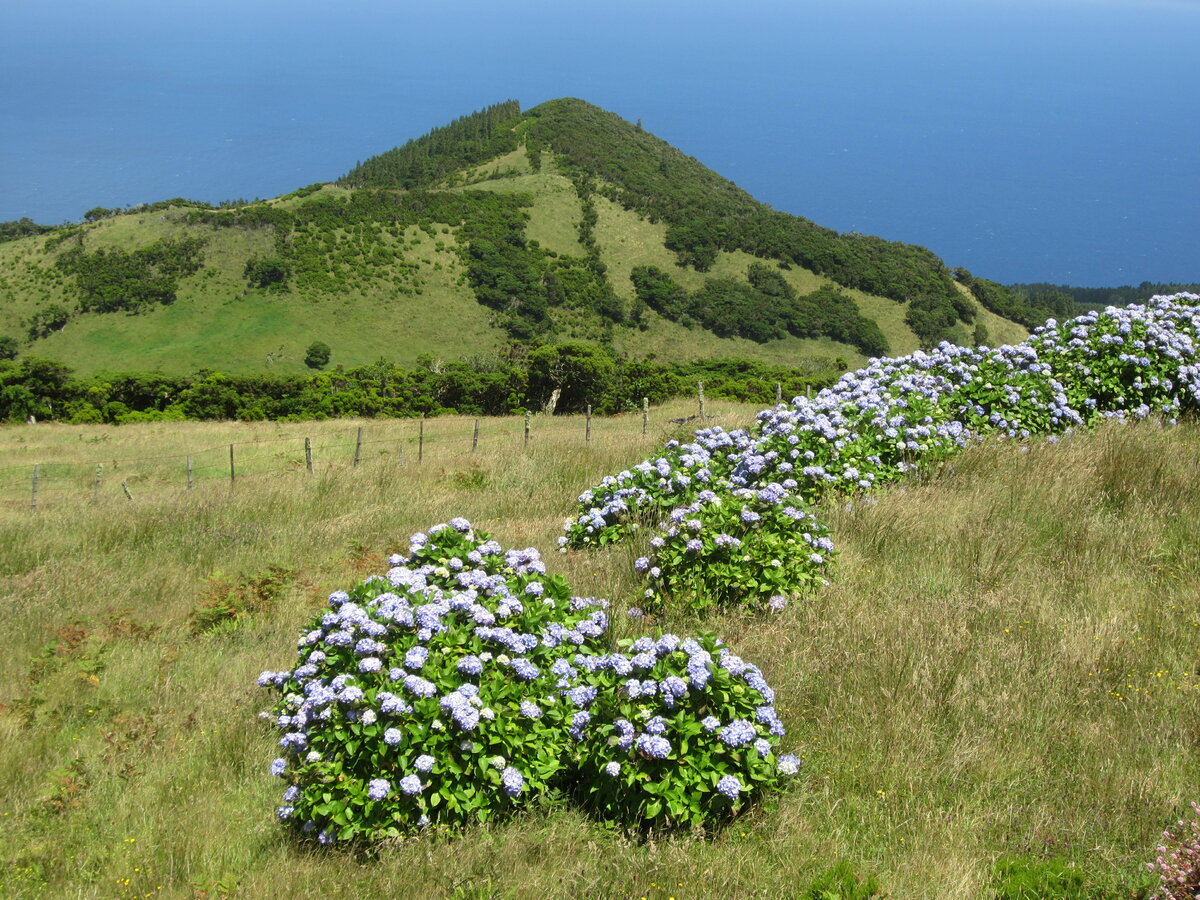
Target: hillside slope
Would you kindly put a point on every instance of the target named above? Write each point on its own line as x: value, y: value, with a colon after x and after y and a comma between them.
x: 560, y: 223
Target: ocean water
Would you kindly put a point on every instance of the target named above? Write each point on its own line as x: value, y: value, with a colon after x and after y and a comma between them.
x: 1028, y: 140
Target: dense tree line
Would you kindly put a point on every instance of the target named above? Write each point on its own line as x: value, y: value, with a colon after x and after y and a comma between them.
x: 1099, y: 298
x: 581, y: 373
x: 762, y: 308
x: 423, y: 161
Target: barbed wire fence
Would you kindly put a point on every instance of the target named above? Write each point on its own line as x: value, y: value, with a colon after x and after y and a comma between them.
x: 404, y: 443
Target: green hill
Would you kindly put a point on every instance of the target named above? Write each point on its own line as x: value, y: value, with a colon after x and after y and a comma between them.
x: 563, y: 222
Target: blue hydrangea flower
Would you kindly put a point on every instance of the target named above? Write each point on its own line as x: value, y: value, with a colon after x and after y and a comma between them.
x: 390, y: 704
x: 644, y: 660
x: 530, y: 710
x: 737, y: 733
x: 579, y: 722
x: 512, y: 781
x: 674, y: 686
x: 788, y: 764
x: 730, y: 786
x: 525, y: 669
x: 582, y: 695
x: 653, y: 746
x: 419, y: 686
x: 657, y: 725
x: 379, y: 788
x: 416, y: 656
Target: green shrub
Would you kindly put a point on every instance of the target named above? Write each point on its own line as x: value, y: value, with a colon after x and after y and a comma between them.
x: 1024, y: 878
x: 46, y: 321
x: 317, y: 355
x: 842, y: 882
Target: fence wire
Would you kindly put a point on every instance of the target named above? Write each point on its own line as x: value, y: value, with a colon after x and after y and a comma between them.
x: 408, y: 442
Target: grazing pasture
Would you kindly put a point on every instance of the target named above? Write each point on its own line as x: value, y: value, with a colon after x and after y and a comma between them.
x: 999, y: 686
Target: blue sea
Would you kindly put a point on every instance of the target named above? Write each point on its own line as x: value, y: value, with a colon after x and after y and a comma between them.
x: 1028, y: 140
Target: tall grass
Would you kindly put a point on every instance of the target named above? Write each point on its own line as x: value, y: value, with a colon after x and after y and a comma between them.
x: 1004, y: 666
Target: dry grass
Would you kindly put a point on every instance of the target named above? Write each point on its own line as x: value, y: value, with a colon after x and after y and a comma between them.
x: 1004, y: 664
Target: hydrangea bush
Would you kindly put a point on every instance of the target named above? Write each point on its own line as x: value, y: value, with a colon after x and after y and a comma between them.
x: 748, y: 545
x: 427, y: 695
x: 874, y: 426
x: 467, y: 682
x: 682, y: 731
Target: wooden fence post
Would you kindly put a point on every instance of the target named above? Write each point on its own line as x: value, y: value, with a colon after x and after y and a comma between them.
x: 421, y: 440
x: 645, y: 414
x: 526, y: 429
x: 33, y: 497
x: 475, y: 437
x: 189, y: 472
x: 778, y: 393
x: 308, y: 454
x: 587, y: 432
x: 358, y: 447
x: 232, y: 475
x: 700, y: 396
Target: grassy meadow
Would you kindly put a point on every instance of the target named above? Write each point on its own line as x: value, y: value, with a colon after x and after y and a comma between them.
x: 1003, y: 671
